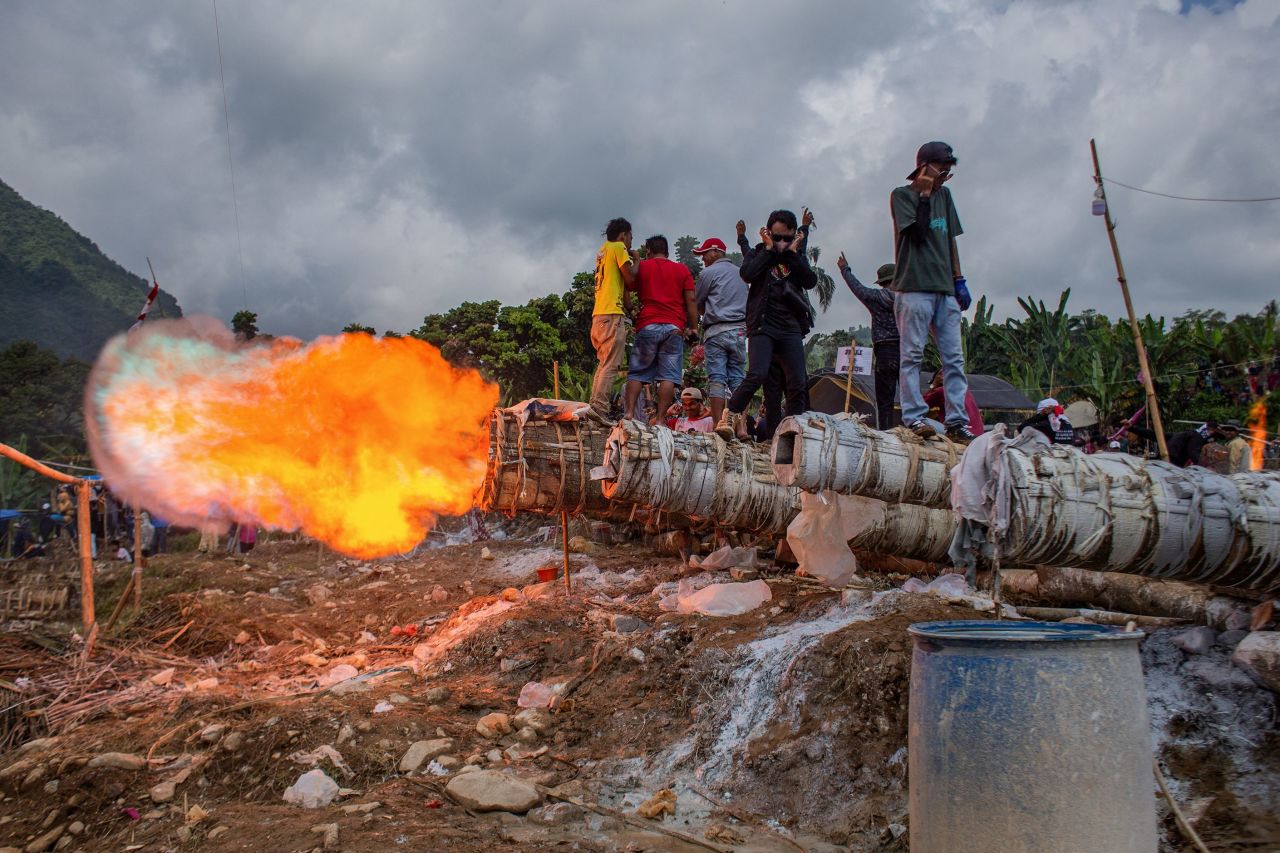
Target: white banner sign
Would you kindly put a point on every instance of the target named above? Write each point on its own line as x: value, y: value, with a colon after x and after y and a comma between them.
x: 861, y: 360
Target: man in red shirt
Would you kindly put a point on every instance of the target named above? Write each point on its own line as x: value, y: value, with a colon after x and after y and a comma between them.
x: 936, y: 398
x: 668, y: 315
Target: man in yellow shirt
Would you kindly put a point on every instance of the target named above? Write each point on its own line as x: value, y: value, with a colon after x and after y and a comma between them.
x: 615, y: 272
x: 1239, y: 458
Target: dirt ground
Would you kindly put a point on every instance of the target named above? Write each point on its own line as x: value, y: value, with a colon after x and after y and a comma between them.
x: 780, y: 729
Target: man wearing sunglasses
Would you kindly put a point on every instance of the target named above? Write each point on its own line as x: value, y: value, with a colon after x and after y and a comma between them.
x: 778, y: 317
x: 929, y: 287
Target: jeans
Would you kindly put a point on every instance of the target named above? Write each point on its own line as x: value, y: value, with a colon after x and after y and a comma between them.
x: 919, y: 314
x: 657, y: 355
x: 609, y: 337
x: 764, y: 349
x: 885, y: 369
x: 726, y: 361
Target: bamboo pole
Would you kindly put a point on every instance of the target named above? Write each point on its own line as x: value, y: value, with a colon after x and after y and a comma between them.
x: 39, y: 467
x: 564, y: 513
x: 848, y: 378
x: 87, y: 616
x: 1147, y: 381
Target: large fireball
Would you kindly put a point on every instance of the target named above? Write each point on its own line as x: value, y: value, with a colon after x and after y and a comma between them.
x: 360, y: 442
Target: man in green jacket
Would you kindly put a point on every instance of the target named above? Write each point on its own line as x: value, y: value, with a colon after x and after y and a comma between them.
x: 928, y: 282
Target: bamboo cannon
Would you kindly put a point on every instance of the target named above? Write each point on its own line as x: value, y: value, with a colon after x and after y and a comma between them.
x: 697, y: 475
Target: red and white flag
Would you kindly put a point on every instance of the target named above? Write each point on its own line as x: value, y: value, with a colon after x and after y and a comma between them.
x: 151, y: 298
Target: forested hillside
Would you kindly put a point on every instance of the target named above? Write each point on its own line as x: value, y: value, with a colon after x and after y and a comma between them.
x: 58, y: 289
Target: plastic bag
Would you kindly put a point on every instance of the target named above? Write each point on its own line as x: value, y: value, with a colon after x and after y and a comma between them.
x: 313, y: 790
x: 726, y: 557
x: 820, y: 541
x: 718, y: 599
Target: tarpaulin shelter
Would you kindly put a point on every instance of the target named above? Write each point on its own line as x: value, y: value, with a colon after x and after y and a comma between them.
x: 999, y: 401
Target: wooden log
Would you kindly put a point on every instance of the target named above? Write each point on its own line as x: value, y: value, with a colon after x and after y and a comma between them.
x: 1139, y: 595
x: 1099, y: 617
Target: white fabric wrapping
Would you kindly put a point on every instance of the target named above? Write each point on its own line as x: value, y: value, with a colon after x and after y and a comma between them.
x: 696, y: 475
x: 817, y: 452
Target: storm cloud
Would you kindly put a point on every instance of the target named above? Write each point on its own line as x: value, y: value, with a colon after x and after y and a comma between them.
x: 394, y: 159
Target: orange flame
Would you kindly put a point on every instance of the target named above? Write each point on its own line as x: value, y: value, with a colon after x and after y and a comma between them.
x: 1257, y: 431
x: 358, y: 441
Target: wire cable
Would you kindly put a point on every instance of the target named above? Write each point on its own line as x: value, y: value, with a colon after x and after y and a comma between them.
x: 1190, y: 198
x: 226, y: 114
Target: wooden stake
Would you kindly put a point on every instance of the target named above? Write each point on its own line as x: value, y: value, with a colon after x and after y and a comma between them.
x: 1147, y: 381
x: 564, y: 530
x: 119, y: 608
x: 136, y: 579
x: 555, y: 379
x: 848, y: 377
x: 88, y: 618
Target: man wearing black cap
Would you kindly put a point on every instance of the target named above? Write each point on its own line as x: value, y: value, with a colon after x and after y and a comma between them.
x: 928, y: 284
x: 884, y: 335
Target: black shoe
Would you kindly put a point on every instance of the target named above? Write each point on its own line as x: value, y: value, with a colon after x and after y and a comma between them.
x: 922, y: 428
x: 960, y: 433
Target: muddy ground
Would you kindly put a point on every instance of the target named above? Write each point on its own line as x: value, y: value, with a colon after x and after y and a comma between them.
x: 780, y: 729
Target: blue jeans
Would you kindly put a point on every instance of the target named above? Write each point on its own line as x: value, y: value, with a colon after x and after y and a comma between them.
x: 657, y: 355
x: 918, y: 314
x: 726, y: 362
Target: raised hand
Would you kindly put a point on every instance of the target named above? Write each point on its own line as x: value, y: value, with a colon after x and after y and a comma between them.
x: 841, y: 262
x: 741, y: 228
x: 766, y: 238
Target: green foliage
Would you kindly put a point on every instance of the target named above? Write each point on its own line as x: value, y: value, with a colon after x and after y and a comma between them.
x: 516, y: 346
x: 245, y: 324
x: 20, y: 487
x: 684, y: 254
x: 42, y: 398
x: 356, y: 328
x: 70, y: 297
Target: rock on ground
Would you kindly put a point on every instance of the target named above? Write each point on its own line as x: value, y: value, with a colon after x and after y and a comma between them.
x: 1259, y: 655
x: 118, y: 761
x: 163, y: 792
x: 494, y: 726
x: 493, y: 791
x: 1196, y: 641
x: 423, y: 751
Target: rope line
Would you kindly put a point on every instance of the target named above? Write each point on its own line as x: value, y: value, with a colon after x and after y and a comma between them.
x: 226, y: 114
x: 1191, y: 198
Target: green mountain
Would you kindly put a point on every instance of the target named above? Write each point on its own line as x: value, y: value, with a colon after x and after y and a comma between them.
x: 58, y: 288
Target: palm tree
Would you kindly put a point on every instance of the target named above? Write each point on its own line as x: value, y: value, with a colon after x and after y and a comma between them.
x: 826, y: 284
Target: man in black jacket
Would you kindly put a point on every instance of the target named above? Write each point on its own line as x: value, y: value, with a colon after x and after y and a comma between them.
x: 778, y: 318
x: 1185, y: 446
x: 884, y: 336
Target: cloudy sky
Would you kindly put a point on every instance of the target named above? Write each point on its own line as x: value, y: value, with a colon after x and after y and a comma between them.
x: 396, y: 158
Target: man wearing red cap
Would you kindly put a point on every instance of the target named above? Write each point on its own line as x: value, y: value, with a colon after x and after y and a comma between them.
x: 929, y: 288
x: 721, y: 296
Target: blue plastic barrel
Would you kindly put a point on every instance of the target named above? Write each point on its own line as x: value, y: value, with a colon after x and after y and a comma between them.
x: 1029, y: 736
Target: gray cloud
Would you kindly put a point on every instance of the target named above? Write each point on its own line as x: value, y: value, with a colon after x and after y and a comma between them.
x: 395, y: 159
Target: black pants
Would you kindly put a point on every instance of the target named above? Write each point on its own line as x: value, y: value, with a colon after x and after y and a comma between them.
x: 762, y: 350
x: 774, y: 384
x: 885, y: 368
